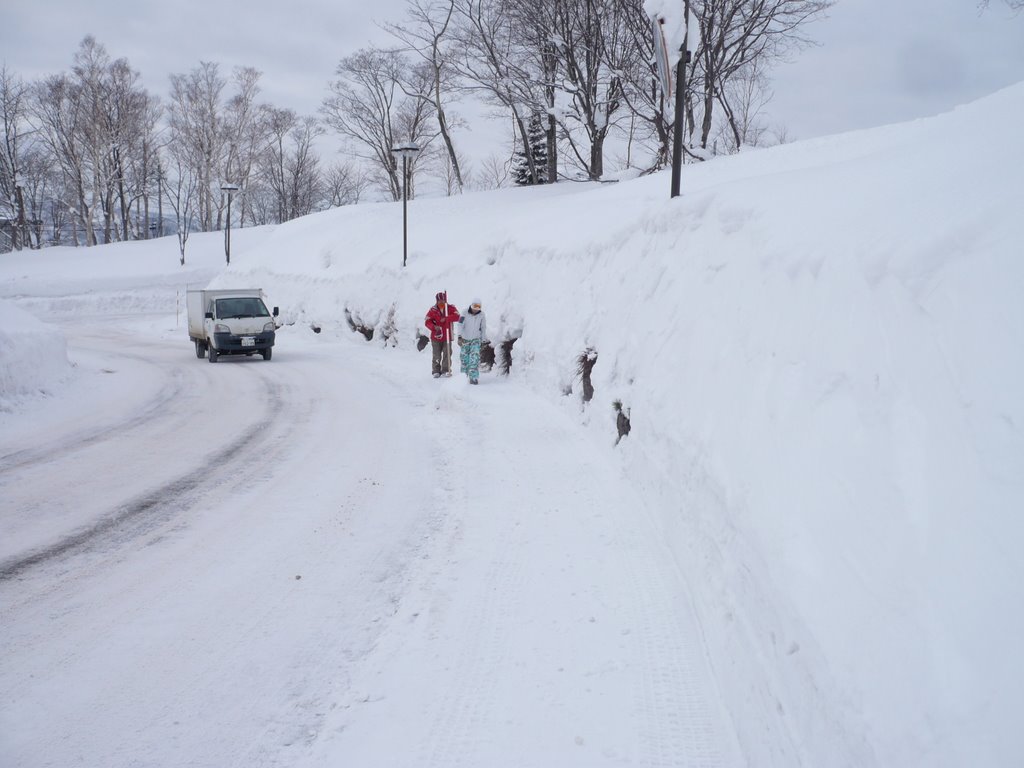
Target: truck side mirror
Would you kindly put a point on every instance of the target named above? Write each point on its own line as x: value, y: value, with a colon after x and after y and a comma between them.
x: 208, y: 315
x: 275, y: 311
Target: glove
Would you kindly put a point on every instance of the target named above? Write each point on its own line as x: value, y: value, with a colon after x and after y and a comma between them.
x: 461, y: 341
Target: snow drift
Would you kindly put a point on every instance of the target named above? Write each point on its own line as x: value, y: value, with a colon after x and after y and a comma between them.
x: 33, y: 357
x: 820, y: 348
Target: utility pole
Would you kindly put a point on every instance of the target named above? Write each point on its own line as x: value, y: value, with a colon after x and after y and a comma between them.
x: 160, y: 200
x: 407, y: 152
x: 230, y: 189
x: 680, y: 119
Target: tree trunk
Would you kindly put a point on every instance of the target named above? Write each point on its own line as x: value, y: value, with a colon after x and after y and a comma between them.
x: 709, y: 104
x: 597, y: 157
x: 552, y: 145
x: 524, y: 135
x: 442, y: 122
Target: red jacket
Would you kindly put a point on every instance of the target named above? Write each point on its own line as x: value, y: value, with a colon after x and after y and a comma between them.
x: 440, y: 325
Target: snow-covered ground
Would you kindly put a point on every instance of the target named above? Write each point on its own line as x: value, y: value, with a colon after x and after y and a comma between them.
x: 804, y: 552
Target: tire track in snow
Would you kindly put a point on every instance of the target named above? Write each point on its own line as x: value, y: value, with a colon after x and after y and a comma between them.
x: 468, y: 704
x: 148, y: 510
x: 675, y: 718
x: 679, y: 730
x: 155, y: 408
x: 305, y: 684
x: 321, y: 701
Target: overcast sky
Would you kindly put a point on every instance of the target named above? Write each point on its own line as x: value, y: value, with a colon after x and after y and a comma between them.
x: 878, y: 62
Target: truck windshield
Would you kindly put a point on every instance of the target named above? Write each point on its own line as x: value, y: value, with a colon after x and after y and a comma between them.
x: 241, y: 307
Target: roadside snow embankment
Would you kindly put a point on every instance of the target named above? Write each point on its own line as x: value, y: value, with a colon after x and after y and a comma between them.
x: 33, y: 356
x: 820, y: 350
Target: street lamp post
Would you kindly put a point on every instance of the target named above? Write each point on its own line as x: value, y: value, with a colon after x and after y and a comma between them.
x: 677, y: 129
x: 407, y: 152
x: 160, y: 201
x: 230, y: 189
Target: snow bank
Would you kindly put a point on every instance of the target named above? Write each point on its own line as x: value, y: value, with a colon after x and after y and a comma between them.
x: 821, y: 351
x: 33, y: 357
x: 819, y: 347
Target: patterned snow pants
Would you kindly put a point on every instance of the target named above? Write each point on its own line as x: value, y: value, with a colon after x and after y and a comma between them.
x: 469, y: 359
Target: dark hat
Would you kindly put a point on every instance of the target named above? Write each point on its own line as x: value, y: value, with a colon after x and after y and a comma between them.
x: 441, y: 296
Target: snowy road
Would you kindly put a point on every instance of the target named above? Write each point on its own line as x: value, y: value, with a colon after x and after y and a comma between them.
x: 330, y: 559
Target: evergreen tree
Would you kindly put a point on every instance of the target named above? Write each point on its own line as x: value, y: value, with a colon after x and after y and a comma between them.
x: 539, y: 149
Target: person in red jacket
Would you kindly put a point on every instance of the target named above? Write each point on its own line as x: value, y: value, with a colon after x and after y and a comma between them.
x: 439, y: 322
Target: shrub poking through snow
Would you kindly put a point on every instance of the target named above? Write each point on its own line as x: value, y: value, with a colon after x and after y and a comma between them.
x: 584, y: 365
x: 389, y: 329
x: 505, y: 361
x: 358, y: 327
x: 486, y: 356
x: 621, y: 420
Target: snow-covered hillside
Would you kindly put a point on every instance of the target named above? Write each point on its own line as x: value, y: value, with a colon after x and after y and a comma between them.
x: 820, y: 348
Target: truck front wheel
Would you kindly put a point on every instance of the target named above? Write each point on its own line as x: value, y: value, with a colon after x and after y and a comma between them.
x: 213, y: 354
x: 200, y: 349
x: 267, y: 353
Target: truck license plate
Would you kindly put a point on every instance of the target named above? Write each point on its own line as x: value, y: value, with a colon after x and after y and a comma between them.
x: 248, y: 341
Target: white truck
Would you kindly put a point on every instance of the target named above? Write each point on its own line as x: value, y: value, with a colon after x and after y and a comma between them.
x: 230, y: 322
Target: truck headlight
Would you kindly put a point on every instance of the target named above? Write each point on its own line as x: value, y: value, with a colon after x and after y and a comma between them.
x: 268, y: 327
x: 221, y: 328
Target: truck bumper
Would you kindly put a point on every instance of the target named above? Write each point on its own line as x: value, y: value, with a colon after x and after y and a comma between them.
x: 230, y: 344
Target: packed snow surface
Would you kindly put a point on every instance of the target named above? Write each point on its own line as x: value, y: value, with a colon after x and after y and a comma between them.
x: 805, y: 552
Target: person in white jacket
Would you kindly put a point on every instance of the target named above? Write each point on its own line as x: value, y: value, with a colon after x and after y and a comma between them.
x: 472, y: 335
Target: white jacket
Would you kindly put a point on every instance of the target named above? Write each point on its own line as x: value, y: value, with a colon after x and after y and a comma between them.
x: 473, y: 326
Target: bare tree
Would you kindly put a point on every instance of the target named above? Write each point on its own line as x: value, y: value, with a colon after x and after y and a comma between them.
x: 371, y: 107
x: 246, y: 133
x: 426, y: 33
x: 736, y: 33
x: 124, y: 113
x: 1014, y: 5
x: 14, y: 98
x: 197, y: 137
x: 145, y: 165
x: 641, y: 91
x: 538, y: 23
x: 595, y: 47
x: 494, y: 172
x: 493, y: 64
x: 96, y: 122
x: 727, y: 79
x: 742, y: 100
x: 37, y: 184
x: 60, y: 113
x: 111, y: 102
x: 559, y: 58
x: 221, y: 138
x: 780, y: 134
x: 184, y: 194
x: 280, y: 123
x: 344, y: 185
x: 455, y: 176
x: 290, y: 166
